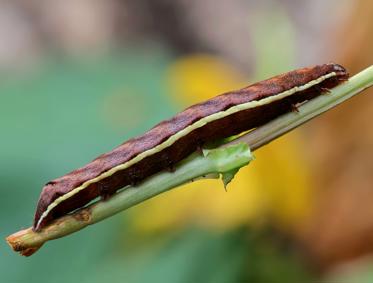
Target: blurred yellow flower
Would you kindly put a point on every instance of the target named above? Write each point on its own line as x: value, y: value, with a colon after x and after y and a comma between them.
x: 199, y: 77
x: 275, y: 186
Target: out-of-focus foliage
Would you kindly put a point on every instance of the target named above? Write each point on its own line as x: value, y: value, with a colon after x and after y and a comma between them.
x: 59, y: 113
x: 360, y: 270
x: 342, y: 140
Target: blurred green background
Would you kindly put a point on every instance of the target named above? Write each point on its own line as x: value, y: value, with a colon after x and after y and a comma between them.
x: 79, y: 77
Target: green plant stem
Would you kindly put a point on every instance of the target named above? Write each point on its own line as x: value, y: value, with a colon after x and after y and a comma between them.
x: 225, y: 160
x: 212, y: 162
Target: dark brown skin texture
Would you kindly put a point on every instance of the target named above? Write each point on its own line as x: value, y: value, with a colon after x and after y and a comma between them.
x: 218, y: 129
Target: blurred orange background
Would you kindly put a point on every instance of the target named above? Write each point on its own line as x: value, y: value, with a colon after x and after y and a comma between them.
x: 81, y: 76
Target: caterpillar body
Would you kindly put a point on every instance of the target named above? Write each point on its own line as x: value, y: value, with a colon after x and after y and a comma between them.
x: 172, y: 140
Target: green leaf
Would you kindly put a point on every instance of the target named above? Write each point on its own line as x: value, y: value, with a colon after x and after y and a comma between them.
x: 239, y: 153
x: 227, y: 177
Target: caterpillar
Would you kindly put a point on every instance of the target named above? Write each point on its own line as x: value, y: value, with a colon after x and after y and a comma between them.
x: 172, y: 140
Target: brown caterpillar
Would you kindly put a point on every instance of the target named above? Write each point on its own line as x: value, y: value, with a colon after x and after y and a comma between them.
x: 172, y: 140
